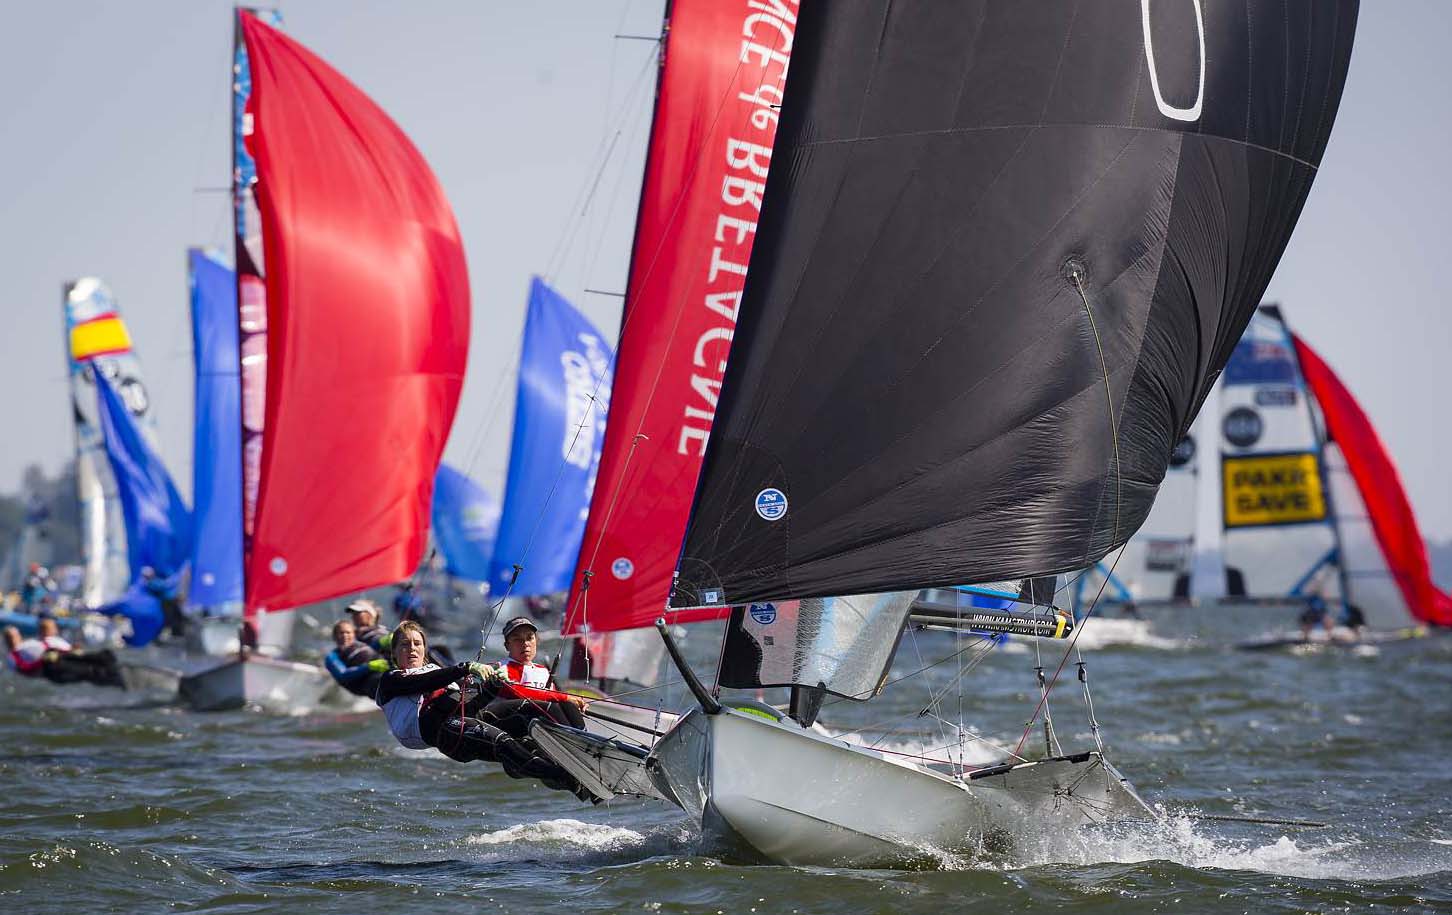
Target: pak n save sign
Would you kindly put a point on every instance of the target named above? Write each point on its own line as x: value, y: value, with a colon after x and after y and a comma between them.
x: 1273, y: 489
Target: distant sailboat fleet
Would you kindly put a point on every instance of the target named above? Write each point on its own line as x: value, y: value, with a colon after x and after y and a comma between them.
x: 958, y: 339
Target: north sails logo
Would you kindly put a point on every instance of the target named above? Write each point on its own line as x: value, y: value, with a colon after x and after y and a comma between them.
x: 765, y: 614
x: 622, y: 568
x: 771, y: 504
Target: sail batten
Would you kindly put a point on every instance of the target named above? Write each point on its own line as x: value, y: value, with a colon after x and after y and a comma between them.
x: 982, y: 217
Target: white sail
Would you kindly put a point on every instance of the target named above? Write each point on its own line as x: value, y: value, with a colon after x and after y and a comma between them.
x: 1278, y: 530
x: 97, y: 340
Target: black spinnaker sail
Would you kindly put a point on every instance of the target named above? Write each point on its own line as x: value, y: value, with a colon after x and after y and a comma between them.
x: 1005, y: 249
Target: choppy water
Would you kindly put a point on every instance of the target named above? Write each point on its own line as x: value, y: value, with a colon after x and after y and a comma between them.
x: 110, y: 807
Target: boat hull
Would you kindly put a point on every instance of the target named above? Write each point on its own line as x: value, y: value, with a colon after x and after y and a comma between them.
x: 284, y: 687
x: 769, y: 790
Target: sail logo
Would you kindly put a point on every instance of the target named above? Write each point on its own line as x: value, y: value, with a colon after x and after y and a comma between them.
x: 1275, y: 397
x: 587, y: 381
x: 765, y: 614
x: 622, y: 568
x: 1273, y: 489
x: 1243, y: 427
x: 1192, y: 113
x: 771, y: 504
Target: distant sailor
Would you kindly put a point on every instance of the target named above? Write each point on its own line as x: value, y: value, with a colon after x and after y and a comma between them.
x: 521, y: 640
x: 365, y: 614
x: 52, y: 657
x: 356, y: 667
x: 427, y: 706
x: 164, y: 589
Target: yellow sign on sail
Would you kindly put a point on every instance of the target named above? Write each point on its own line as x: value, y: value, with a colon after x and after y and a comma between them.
x: 1273, y: 489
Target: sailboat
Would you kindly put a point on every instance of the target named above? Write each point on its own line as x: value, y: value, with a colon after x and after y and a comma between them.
x: 1004, y: 253
x: 352, y: 347
x: 1291, y: 522
x: 99, y: 344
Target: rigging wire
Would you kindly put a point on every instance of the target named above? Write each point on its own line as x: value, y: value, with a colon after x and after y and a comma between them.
x: 1077, y: 276
x: 675, y: 323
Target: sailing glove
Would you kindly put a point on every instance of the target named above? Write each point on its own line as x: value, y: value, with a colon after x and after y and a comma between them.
x: 484, y: 672
x: 378, y: 664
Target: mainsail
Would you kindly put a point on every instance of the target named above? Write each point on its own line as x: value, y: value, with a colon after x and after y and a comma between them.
x: 465, y: 523
x: 1004, y: 253
x: 1279, y: 535
x: 1381, y: 544
x: 98, y: 343
x: 367, y: 319
x: 710, y: 145
x: 559, y: 423
x: 216, y: 563
x: 158, y: 524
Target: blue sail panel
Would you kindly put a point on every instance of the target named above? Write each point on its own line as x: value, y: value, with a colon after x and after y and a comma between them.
x: 158, y: 525
x: 142, y: 608
x: 216, y: 583
x: 559, y: 426
x: 465, y: 523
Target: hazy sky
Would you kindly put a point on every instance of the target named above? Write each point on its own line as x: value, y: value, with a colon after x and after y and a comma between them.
x: 114, y: 134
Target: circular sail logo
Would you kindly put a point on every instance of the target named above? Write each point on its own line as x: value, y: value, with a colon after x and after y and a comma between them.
x: 765, y: 614
x: 278, y: 566
x: 1243, y: 427
x: 622, y: 568
x: 1183, y: 453
x: 771, y: 504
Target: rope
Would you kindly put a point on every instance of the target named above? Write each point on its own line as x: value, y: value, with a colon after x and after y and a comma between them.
x: 1077, y: 276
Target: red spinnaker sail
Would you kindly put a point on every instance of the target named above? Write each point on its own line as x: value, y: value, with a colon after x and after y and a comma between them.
x: 368, y: 330
x: 1381, y: 489
x: 715, y: 120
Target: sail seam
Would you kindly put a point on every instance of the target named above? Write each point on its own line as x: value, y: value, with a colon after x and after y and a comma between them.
x: 949, y: 131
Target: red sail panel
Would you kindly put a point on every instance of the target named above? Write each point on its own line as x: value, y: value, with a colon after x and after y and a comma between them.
x: 715, y: 120
x: 368, y: 330
x: 1381, y: 489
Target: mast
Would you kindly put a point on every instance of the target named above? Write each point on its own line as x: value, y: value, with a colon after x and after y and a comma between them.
x: 1322, y: 439
x: 238, y: 223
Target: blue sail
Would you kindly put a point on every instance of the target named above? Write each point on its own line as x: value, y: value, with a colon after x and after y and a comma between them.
x: 216, y: 584
x: 465, y: 524
x: 559, y: 426
x: 158, y: 525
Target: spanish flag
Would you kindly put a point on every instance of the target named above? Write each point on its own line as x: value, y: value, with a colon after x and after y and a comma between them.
x: 104, y: 335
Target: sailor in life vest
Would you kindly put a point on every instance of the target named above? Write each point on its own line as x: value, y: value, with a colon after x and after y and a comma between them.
x: 521, y: 640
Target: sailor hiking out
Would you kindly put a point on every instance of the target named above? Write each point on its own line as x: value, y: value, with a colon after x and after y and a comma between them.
x: 487, y: 719
x: 521, y: 640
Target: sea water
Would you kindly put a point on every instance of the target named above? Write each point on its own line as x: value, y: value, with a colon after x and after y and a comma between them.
x: 114, y: 803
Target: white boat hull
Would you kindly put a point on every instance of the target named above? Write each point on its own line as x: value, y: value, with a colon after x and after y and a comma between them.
x: 770, y: 790
x: 283, y: 687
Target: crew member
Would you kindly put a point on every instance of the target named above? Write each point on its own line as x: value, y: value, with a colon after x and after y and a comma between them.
x: 521, y: 640
x: 426, y: 706
x: 356, y: 667
x: 365, y: 614
x: 164, y: 589
x: 36, y: 658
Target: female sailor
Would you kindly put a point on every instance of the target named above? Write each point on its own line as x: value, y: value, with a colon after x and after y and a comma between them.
x: 428, y: 706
